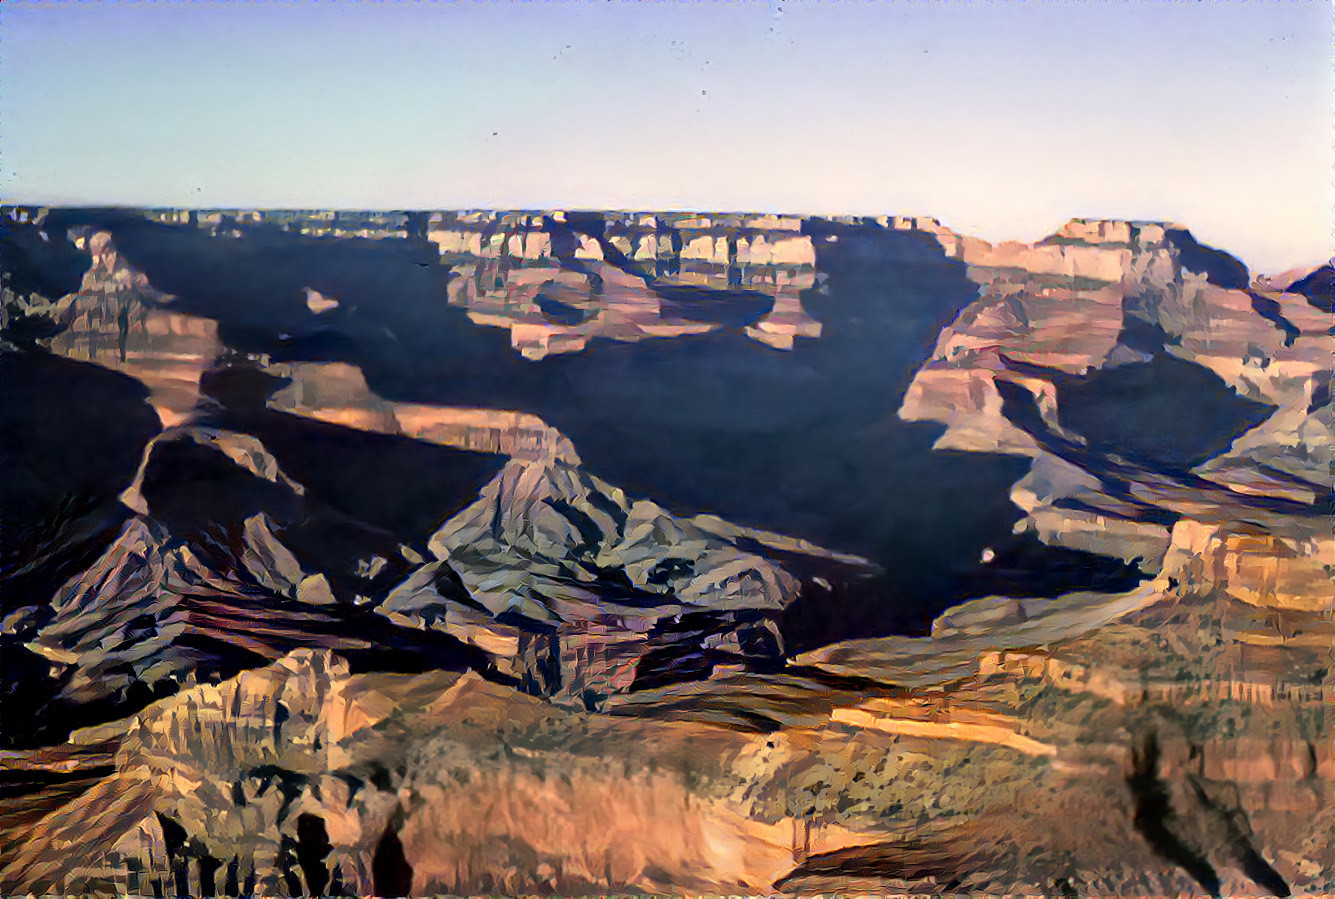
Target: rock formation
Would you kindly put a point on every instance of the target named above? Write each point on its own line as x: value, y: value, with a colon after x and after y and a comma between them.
x: 120, y: 321
x: 385, y: 554
x: 1268, y: 346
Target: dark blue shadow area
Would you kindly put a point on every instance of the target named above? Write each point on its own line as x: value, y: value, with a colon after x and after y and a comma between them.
x: 26, y: 686
x: 198, y: 492
x: 1166, y: 413
x: 559, y: 313
x: 1219, y: 268
x: 729, y: 308
x: 1318, y: 288
x: 50, y: 266
x: 1119, y: 475
x: 71, y: 436
x: 253, y: 286
x: 803, y: 442
x: 1270, y: 310
x: 403, y: 486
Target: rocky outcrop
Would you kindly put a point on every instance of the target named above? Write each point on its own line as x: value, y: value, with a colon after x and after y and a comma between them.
x: 1288, y: 566
x: 558, y: 280
x: 337, y: 393
x: 361, y: 784
x: 548, y: 310
x: 345, y: 620
x: 1152, y: 690
x: 1040, y: 344
x: 303, y: 776
x: 581, y: 592
x: 550, y: 578
x: 182, y: 594
x: 120, y: 321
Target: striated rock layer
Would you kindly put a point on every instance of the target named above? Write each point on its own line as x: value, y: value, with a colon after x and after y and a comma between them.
x: 1083, y: 379
x: 120, y: 321
x: 382, y: 554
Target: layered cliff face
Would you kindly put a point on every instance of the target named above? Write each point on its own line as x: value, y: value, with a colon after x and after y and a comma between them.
x: 1107, y: 762
x: 623, y: 277
x: 119, y: 321
x: 323, y: 583
x: 1086, y: 380
x: 337, y: 393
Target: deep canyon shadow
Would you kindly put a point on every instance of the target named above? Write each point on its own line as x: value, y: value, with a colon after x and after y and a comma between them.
x: 803, y: 442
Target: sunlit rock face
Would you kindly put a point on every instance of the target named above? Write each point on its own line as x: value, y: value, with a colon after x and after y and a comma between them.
x: 1065, y: 350
x: 548, y: 310
x: 1286, y: 567
x: 386, y: 784
x: 120, y: 321
x: 620, y: 277
x: 305, y: 776
x: 337, y: 393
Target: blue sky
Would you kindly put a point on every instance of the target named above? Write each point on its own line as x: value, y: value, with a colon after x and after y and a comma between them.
x: 1002, y: 119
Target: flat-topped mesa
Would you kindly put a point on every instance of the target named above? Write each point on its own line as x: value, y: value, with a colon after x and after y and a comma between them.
x: 1075, y: 301
x: 368, y: 225
x: 337, y: 393
x: 557, y: 279
x: 548, y: 309
x: 522, y: 236
x: 761, y: 239
x: 1083, y: 252
x: 120, y: 321
x: 1096, y: 231
x: 1144, y: 235
x: 787, y: 319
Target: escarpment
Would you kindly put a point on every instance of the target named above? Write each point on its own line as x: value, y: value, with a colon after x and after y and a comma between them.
x: 500, y: 552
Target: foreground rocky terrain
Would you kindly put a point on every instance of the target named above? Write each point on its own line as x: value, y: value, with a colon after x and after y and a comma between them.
x: 582, y: 553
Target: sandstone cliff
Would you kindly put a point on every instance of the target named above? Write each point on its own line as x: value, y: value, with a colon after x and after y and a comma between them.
x: 1030, y: 341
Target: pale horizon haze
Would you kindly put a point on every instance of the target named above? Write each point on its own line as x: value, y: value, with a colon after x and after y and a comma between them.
x: 1001, y: 119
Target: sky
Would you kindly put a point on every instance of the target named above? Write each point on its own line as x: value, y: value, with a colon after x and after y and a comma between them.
x: 1002, y: 119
